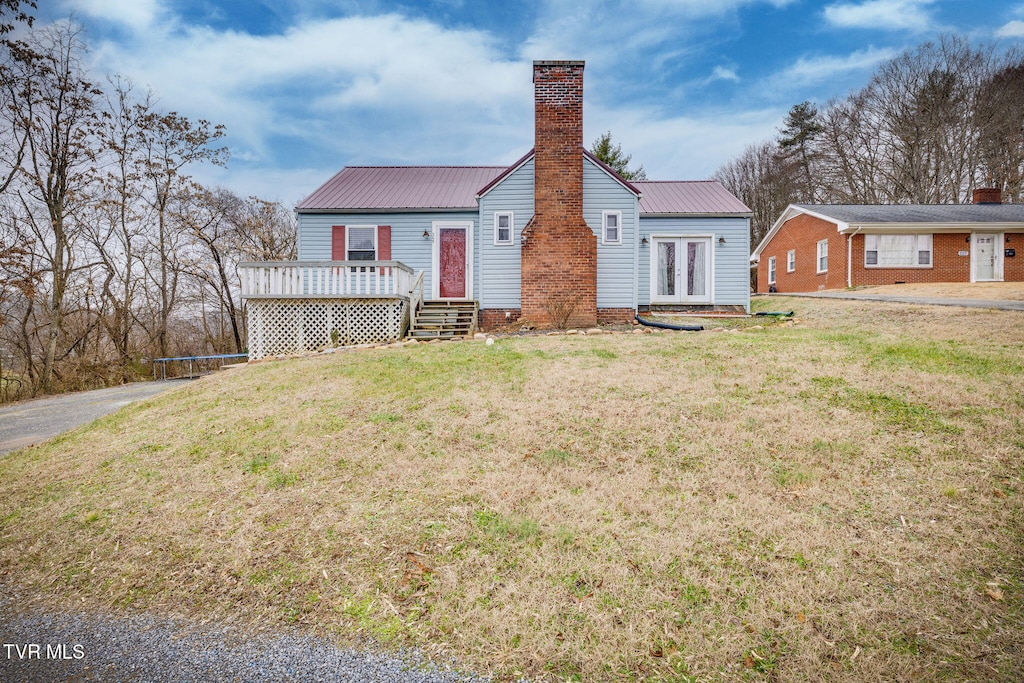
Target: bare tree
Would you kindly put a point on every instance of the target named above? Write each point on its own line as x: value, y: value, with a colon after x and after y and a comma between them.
x: 760, y: 179
x: 173, y: 143
x: 1000, y: 122
x: 54, y: 104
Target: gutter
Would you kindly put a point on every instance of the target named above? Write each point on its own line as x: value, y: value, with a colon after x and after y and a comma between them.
x: 849, y: 257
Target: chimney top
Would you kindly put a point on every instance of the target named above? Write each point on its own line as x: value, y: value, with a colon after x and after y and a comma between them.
x: 987, y: 195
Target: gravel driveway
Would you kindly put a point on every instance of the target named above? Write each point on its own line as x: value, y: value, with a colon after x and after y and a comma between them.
x: 151, y: 649
x: 39, y: 644
x: 28, y: 422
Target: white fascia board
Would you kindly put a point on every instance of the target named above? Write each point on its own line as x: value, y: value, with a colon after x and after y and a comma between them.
x: 792, y: 211
x: 880, y: 228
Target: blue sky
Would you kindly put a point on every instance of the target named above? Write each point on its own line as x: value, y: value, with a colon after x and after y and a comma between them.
x: 306, y: 87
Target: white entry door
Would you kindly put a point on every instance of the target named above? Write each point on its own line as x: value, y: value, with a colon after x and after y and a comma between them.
x: 681, y: 270
x: 985, y: 260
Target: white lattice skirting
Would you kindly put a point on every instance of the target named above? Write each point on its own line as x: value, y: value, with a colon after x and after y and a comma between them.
x: 283, y: 326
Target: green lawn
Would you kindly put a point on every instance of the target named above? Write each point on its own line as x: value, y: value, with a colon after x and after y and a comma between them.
x: 835, y: 499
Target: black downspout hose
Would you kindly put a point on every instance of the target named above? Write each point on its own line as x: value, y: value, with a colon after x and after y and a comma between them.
x: 666, y: 326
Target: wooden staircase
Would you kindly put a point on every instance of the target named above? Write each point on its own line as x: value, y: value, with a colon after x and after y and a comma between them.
x: 444, y: 320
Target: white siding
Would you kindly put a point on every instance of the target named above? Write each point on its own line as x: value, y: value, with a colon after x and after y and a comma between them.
x: 408, y: 244
x: 731, y: 260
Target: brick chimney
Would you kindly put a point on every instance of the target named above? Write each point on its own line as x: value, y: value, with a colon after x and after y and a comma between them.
x: 987, y: 195
x: 559, y: 250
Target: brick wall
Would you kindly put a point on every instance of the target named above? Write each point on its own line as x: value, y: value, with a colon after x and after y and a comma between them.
x: 802, y: 233
x: 559, y: 250
x: 1013, y: 268
x: 947, y: 264
x: 613, y: 316
x: 489, y: 318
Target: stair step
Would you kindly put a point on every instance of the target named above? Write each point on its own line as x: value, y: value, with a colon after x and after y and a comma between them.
x: 443, y: 319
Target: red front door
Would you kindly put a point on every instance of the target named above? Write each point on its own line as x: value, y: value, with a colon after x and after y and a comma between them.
x: 452, y: 263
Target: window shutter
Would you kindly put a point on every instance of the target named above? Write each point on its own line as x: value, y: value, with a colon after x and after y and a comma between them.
x: 337, y: 242
x: 383, y: 242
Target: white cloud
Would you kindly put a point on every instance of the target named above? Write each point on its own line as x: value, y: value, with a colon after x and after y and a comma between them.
x: 881, y: 14
x: 811, y: 70
x: 137, y: 14
x: 683, y: 147
x: 357, y: 87
x: 1013, y: 29
x: 721, y: 73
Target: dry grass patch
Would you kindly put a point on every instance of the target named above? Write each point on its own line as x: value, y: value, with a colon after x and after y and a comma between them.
x: 838, y: 498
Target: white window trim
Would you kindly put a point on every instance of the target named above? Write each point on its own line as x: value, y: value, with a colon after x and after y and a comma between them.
x: 710, y: 264
x: 771, y: 270
x: 604, y: 227
x: 348, y: 237
x: 435, y: 257
x: 511, y: 228
x: 818, y: 255
x: 791, y: 261
x: 915, y: 265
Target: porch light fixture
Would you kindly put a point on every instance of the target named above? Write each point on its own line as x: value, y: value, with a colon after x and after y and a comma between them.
x: 426, y: 234
x: 644, y: 240
x: 721, y: 240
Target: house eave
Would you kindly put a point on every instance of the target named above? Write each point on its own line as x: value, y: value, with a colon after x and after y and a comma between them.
x: 695, y: 214
x: 382, y: 210
x: 924, y: 227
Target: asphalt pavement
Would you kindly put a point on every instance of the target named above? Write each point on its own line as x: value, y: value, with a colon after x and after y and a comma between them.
x: 998, y: 304
x: 29, y: 422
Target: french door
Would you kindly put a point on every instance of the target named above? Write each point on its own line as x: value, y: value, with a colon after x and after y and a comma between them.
x: 681, y: 270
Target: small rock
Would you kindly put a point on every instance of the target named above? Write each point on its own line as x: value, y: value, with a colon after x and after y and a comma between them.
x: 756, y: 327
x: 572, y: 331
x: 479, y: 335
x: 411, y: 342
x: 595, y: 330
x: 718, y: 329
x: 490, y: 342
x: 638, y: 331
x: 553, y: 334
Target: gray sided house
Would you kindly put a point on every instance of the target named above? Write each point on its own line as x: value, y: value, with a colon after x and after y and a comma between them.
x: 556, y: 238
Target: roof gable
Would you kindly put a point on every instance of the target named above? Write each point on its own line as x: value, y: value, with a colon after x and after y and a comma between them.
x: 891, y: 217
x: 529, y: 155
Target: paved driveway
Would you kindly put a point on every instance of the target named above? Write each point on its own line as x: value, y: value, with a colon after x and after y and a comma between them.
x: 28, y: 422
x: 1002, y: 305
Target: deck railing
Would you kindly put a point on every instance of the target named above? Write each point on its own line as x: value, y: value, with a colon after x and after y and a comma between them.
x: 326, y: 279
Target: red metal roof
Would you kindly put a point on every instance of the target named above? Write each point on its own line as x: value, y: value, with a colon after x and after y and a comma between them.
x: 405, y: 188
x: 379, y: 188
x: 687, y: 196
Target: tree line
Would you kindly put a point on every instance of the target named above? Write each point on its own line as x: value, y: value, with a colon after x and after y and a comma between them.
x: 111, y: 254
x: 931, y: 125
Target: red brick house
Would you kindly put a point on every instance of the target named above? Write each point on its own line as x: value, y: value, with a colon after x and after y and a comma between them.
x: 814, y: 246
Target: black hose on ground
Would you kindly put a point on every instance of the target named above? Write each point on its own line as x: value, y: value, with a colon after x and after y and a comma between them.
x: 777, y: 314
x: 666, y: 326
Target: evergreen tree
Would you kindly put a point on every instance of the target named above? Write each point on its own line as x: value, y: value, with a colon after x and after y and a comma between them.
x: 612, y: 155
x: 797, y: 145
